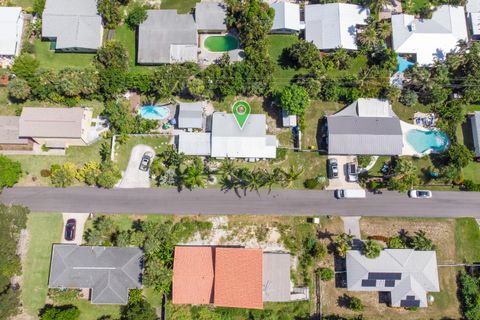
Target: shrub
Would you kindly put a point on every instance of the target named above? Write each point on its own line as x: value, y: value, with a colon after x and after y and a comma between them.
x: 469, y: 185
x: 326, y: 274
x: 354, y: 303
x: 372, y: 249
x: 363, y: 160
x: 311, y: 183
x: 136, y: 16
x: 396, y: 243
x: 10, y: 172
x: 45, y: 173
x: 68, y: 312
x: 409, y: 97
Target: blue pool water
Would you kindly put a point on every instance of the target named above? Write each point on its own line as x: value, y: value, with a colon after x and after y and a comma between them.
x: 403, y: 64
x: 154, y: 112
x: 423, y: 141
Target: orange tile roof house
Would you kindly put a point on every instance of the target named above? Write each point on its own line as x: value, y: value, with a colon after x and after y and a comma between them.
x: 226, y: 277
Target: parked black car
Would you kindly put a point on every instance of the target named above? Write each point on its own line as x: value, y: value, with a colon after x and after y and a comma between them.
x: 70, y: 229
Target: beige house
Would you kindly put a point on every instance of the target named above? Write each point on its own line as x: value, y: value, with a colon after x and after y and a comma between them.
x: 56, y: 128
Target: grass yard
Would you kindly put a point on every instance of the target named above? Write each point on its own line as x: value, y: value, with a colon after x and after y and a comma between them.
x: 313, y: 120
x: 122, y: 151
x: 282, y: 76
x: 467, y: 239
x: 57, y: 61
x: 127, y: 37
x: 32, y: 165
x: 415, y: 6
x: 44, y: 229
x: 182, y: 6
x: 25, y: 4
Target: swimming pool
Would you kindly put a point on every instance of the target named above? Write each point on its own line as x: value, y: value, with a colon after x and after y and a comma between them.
x: 221, y: 43
x: 425, y: 141
x: 154, y: 112
x: 403, y: 64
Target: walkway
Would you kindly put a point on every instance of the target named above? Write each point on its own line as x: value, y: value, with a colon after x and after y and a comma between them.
x: 351, y: 225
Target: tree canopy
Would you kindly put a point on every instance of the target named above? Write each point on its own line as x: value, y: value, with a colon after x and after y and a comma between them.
x: 10, y: 172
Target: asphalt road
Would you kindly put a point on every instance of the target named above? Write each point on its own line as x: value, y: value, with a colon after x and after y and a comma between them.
x: 213, y: 201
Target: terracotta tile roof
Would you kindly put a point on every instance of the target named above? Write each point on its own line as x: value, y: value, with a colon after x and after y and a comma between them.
x: 193, y: 273
x: 238, y: 278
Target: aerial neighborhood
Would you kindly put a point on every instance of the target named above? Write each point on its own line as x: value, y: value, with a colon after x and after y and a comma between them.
x: 239, y: 159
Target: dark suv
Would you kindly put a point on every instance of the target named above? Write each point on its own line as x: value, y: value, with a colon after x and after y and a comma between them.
x: 70, y: 229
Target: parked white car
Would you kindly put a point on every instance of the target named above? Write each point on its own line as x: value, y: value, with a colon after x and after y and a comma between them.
x: 420, y: 194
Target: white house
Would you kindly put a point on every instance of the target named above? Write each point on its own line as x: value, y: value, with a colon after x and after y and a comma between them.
x: 429, y: 39
x: 334, y: 25
x: 11, y: 27
x: 287, y: 17
x: 473, y: 16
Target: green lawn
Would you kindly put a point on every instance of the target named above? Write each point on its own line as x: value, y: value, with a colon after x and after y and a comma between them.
x: 44, y: 230
x: 276, y: 44
x: 313, y: 117
x: 122, y: 151
x: 182, y: 6
x: 127, y: 37
x: 32, y: 165
x: 57, y: 61
x: 467, y: 239
x: 25, y: 4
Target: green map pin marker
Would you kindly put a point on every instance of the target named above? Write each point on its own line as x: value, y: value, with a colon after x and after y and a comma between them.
x: 241, y: 111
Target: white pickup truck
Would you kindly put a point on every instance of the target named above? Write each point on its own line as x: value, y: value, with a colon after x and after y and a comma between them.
x: 350, y: 193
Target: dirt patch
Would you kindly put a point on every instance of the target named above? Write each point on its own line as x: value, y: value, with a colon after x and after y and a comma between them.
x: 441, y: 231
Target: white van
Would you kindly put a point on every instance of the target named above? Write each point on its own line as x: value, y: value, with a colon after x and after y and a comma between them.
x: 350, y: 193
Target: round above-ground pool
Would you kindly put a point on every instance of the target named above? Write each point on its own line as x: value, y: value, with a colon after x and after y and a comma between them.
x: 427, y: 141
x: 154, y: 112
x: 221, y: 43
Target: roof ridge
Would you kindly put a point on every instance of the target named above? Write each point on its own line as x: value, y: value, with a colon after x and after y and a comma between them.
x: 123, y: 266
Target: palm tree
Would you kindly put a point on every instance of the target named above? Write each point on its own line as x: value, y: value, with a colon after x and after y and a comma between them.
x: 384, y: 29
x: 272, y: 178
x: 291, y: 175
x: 372, y: 249
x: 368, y: 37
x: 341, y: 58
x: 377, y: 5
x: 343, y: 243
x: 193, y: 176
x: 228, y: 167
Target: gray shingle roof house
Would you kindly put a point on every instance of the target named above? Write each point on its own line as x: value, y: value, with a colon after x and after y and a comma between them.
x: 276, y: 277
x: 211, y: 16
x: 475, y: 120
x: 75, y: 25
x: 333, y: 25
x: 167, y: 37
x: 368, y: 127
x: 287, y: 17
x: 407, y: 274
x: 9, y: 127
x: 56, y: 127
x: 109, y: 271
x: 190, y: 115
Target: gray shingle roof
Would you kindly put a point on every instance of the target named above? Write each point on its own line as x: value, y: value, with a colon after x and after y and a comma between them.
x: 9, y: 131
x: 167, y: 37
x: 415, y: 274
x: 190, y: 115
x: 109, y: 271
x: 51, y: 122
x: 351, y: 134
x: 74, y: 24
x: 276, y: 277
x: 476, y: 132
x: 211, y: 16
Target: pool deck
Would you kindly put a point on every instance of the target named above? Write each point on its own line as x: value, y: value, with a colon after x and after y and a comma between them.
x: 207, y: 57
x: 408, y: 149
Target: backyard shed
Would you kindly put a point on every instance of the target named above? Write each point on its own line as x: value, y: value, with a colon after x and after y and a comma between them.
x: 11, y: 29
x: 287, y: 17
x: 190, y: 115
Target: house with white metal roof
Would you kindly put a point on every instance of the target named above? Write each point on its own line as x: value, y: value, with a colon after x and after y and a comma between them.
x: 408, y: 275
x: 334, y: 25
x: 226, y: 139
x: 11, y: 29
x: 167, y: 37
x: 429, y: 39
x: 473, y: 18
x: 287, y: 17
x: 190, y: 115
x: 475, y: 121
x: 74, y: 25
x: 366, y: 127
x: 211, y: 17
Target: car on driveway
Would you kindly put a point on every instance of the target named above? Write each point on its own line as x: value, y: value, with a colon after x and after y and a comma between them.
x: 145, y: 162
x: 352, y: 174
x: 420, y: 194
x: 70, y: 227
x: 332, y: 168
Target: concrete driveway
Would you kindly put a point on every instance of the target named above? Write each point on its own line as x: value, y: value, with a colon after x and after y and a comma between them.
x: 81, y: 218
x: 341, y: 182
x: 133, y: 177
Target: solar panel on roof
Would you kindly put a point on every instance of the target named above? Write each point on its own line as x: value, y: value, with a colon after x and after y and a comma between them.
x: 389, y: 283
x: 384, y: 276
x: 369, y: 283
x: 409, y: 303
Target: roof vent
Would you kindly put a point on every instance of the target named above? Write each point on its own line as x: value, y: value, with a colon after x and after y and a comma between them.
x: 412, y: 27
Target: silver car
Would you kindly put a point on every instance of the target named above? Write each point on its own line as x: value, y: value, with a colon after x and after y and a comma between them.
x: 332, y: 168
x: 145, y: 162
